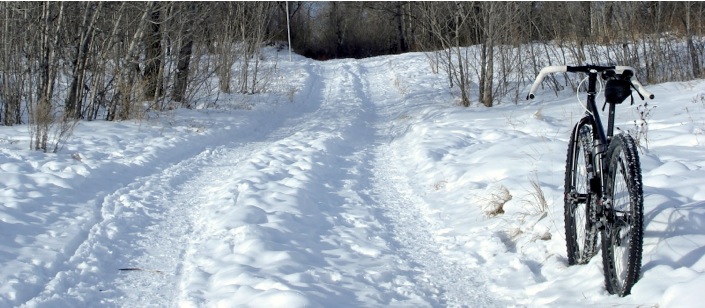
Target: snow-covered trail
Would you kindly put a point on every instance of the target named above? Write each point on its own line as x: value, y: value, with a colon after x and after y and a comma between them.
x: 414, y: 225
x: 273, y: 217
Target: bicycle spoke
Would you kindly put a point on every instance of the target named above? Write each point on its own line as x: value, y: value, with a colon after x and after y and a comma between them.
x: 581, y: 232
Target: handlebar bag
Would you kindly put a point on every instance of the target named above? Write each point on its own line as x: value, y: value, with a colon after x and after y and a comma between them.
x: 617, y: 90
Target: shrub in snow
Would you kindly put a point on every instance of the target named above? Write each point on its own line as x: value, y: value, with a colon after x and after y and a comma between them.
x: 498, y: 196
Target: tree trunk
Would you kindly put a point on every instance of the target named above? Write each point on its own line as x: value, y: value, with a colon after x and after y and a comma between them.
x: 464, y: 97
x: 182, y: 68
x: 74, y: 98
x: 153, y: 61
x: 401, y: 41
x: 692, y: 51
x: 126, y: 80
x: 488, y: 54
x: 487, y: 96
x: 47, y: 75
x: 10, y: 91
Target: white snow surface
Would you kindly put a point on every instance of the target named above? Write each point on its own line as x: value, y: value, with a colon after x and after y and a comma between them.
x: 350, y: 183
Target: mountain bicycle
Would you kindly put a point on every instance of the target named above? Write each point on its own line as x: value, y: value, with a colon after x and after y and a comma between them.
x: 603, y: 187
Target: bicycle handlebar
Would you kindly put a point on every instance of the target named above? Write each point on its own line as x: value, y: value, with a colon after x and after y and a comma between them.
x: 586, y: 69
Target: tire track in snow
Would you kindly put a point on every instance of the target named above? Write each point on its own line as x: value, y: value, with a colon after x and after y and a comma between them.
x: 132, y: 222
x: 382, y: 268
x: 451, y: 283
x: 145, y: 225
x: 313, y: 239
x: 422, y: 275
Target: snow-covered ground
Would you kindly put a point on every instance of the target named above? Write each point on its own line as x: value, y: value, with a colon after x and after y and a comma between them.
x: 352, y: 183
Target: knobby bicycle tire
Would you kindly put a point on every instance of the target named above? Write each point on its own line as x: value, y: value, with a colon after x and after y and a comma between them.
x: 622, y: 236
x: 579, y: 214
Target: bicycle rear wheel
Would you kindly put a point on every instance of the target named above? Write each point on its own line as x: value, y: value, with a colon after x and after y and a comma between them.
x: 579, y: 213
x: 622, y: 236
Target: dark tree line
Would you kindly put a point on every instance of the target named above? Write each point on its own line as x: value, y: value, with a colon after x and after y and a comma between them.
x: 513, y: 40
x: 61, y: 62
x: 362, y: 29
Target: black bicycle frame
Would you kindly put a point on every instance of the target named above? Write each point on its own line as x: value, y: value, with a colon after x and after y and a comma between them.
x: 600, y: 137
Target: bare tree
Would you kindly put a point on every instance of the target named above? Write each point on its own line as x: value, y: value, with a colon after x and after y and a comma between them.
x: 185, y: 37
x: 12, y: 81
x: 445, y: 23
x: 122, y: 106
x: 74, y: 99
x: 42, y: 116
x: 692, y: 49
x: 154, y: 52
x: 251, y: 29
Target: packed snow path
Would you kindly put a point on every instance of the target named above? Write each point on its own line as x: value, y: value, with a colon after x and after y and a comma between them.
x: 312, y: 211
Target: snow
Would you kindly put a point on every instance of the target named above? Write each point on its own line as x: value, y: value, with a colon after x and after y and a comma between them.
x: 350, y: 183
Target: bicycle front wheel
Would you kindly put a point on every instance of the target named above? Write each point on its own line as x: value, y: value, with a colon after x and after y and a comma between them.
x: 579, y: 213
x: 622, y: 236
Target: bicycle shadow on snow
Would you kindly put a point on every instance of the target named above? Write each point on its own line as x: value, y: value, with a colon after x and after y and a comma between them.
x: 674, y: 231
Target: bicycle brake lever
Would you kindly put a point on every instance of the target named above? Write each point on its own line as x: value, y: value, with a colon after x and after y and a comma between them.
x: 637, y: 92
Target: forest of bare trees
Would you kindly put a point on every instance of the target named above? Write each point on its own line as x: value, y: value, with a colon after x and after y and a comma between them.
x: 63, y: 62
x: 510, y: 40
